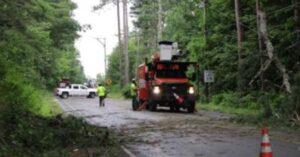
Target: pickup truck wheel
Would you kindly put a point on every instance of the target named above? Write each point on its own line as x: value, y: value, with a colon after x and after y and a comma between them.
x: 92, y: 95
x: 64, y: 95
x: 191, y: 108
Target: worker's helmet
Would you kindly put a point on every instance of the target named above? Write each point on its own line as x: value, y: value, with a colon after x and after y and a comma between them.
x: 155, y: 57
x: 133, y: 80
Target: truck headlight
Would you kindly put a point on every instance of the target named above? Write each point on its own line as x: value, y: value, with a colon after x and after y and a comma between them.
x: 191, y: 90
x: 156, y: 90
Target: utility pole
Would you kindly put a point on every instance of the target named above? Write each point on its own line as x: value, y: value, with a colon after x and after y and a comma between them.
x: 102, y: 41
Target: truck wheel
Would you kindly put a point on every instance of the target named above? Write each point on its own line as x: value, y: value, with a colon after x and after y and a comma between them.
x: 152, y: 106
x: 172, y: 108
x: 64, y: 95
x: 91, y: 95
x: 191, y: 108
x: 177, y: 108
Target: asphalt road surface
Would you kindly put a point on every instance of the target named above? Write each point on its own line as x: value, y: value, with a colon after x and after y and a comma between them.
x: 179, y: 134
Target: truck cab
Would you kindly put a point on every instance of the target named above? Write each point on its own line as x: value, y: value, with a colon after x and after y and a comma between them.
x: 164, y: 82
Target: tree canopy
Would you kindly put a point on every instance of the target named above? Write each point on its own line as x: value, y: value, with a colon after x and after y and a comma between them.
x: 207, y: 30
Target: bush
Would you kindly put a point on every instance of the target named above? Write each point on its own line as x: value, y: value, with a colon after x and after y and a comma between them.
x: 229, y: 99
x: 126, y: 92
x: 28, y: 128
x: 60, y: 134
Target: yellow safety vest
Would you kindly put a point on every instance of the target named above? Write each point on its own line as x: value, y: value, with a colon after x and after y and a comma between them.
x: 101, y: 91
x: 133, y: 89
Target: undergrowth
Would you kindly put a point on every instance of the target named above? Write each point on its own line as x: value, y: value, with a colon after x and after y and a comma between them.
x: 262, y: 109
x: 31, y: 126
x: 115, y: 91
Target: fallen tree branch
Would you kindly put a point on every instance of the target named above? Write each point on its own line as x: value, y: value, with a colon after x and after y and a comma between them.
x: 270, y: 52
x: 262, y: 69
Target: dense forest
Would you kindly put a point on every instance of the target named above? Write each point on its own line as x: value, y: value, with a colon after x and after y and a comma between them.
x: 252, y: 46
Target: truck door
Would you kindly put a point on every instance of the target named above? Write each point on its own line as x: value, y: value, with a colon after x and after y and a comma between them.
x: 83, y: 90
x: 75, y: 90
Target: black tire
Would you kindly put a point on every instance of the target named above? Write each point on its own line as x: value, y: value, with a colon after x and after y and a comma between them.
x: 177, y: 108
x: 92, y: 95
x: 172, y: 108
x: 191, y: 108
x: 65, y: 95
x: 152, y: 106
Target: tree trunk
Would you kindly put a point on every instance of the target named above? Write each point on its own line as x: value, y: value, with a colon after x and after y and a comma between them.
x: 160, y: 24
x: 125, y: 45
x: 261, y: 59
x: 240, y: 35
x: 270, y: 51
x: 120, y: 45
x: 296, y: 4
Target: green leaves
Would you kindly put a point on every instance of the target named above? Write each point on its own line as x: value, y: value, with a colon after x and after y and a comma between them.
x: 36, y: 36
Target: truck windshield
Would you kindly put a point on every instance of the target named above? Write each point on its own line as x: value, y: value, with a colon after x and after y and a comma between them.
x: 170, y: 74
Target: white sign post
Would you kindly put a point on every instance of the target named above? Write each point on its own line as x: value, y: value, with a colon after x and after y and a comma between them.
x: 209, y: 76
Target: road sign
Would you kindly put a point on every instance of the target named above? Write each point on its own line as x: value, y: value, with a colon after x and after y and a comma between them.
x: 209, y: 76
x: 108, y: 81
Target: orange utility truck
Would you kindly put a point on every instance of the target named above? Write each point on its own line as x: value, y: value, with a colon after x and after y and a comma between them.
x: 164, y: 81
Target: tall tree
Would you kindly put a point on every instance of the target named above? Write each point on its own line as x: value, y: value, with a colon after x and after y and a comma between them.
x: 259, y: 41
x: 121, y: 51
x: 296, y: 5
x: 125, y: 44
x: 160, y: 22
x: 240, y: 36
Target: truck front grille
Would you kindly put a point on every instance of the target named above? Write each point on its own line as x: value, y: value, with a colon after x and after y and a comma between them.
x: 169, y: 89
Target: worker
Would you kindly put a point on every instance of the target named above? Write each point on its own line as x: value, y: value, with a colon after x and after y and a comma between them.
x: 133, y: 93
x: 101, y: 91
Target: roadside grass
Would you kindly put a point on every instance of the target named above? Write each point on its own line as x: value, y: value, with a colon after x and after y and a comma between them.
x: 227, y: 109
x: 32, y: 125
x: 59, y: 137
x: 269, y: 110
x: 115, y: 91
x: 44, y: 104
x: 232, y: 103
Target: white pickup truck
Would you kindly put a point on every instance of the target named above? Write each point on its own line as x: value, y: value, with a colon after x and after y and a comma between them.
x: 76, y: 90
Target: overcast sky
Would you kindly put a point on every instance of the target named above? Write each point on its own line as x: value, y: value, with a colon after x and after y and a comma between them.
x: 104, y: 25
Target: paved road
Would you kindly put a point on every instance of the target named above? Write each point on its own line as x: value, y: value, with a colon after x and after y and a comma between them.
x: 167, y: 134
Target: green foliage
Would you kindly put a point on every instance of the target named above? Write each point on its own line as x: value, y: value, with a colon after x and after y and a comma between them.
x: 37, y: 40
x: 234, y: 100
x: 184, y: 23
x: 36, y: 50
x: 115, y: 91
x: 28, y: 127
x: 60, y: 135
x: 126, y: 91
x: 114, y: 62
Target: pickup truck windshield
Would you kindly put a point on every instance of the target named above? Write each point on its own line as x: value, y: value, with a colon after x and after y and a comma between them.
x: 170, y: 74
